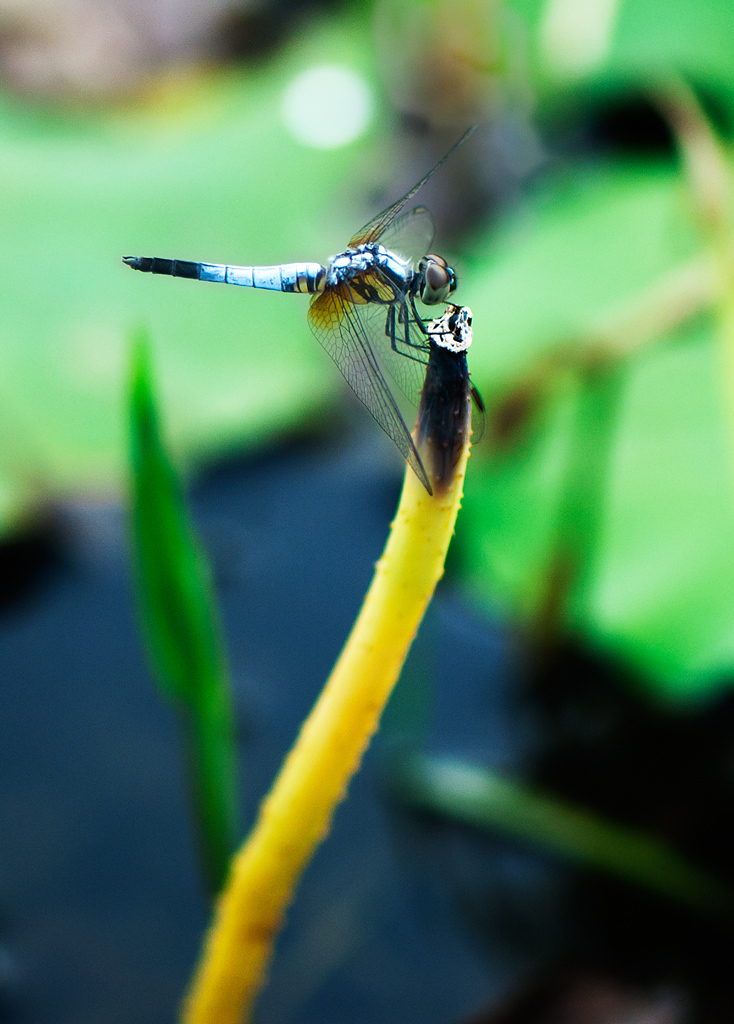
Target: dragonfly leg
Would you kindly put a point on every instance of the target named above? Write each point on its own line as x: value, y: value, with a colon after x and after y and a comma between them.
x: 403, y: 321
x: 418, y: 319
x: 391, y: 331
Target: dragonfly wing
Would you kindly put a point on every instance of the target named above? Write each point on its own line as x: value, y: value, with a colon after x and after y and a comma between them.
x: 478, y: 416
x: 373, y: 231
x: 332, y: 318
x: 410, y: 235
x: 400, y: 344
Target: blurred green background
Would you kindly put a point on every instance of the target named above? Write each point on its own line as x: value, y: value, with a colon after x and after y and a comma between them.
x: 589, y: 216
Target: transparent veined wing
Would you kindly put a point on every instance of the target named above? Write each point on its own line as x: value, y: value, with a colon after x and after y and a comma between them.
x: 478, y: 416
x: 410, y: 235
x: 373, y: 231
x: 401, y: 346
x: 333, y: 319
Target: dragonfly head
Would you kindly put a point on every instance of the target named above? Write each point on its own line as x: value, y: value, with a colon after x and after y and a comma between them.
x: 437, y: 279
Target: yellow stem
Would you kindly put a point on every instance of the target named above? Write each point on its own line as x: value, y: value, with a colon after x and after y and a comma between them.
x: 297, y: 813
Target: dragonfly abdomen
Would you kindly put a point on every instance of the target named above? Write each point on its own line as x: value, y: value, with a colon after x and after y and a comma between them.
x: 306, y: 278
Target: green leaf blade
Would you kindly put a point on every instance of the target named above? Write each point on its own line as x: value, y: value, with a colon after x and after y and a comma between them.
x: 181, y: 623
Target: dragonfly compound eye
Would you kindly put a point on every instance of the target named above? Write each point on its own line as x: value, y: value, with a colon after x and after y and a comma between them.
x: 438, y: 279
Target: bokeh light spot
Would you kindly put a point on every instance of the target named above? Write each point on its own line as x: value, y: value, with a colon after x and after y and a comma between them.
x: 327, y: 107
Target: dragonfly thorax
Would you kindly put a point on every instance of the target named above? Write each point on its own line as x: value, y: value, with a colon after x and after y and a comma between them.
x: 373, y: 272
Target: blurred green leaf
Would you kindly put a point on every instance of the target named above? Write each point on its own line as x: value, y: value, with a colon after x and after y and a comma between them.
x: 611, y: 44
x: 482, y: 798
x: 205, y: 170
x: 586, y: 242
x: 660, y: 590
x: 181, y: 623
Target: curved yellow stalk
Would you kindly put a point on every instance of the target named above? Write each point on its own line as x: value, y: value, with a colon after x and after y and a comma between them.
x: 314, y: 777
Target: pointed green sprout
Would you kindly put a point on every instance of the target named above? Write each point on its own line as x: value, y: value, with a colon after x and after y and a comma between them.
x: 181, y: 624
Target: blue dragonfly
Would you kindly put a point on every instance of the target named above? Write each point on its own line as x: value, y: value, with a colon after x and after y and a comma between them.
x: 363, y: 304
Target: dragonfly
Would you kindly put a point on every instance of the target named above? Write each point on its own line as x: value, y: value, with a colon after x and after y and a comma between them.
x: 363, y: 304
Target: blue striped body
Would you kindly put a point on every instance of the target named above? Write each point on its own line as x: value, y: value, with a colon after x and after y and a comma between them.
x: 307, y: 278
x: 285, y: 277
x: 372, y: 272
